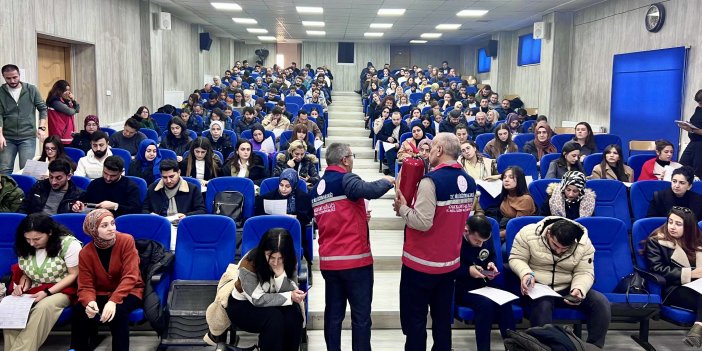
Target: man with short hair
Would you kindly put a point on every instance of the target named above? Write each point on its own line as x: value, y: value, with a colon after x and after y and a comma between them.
x: 445, y: 69
x: 213, y: 102
x: 493, y: 101
x: 129, y: 137
x: 505, y: 108
x: 272, y: 95
x: 19, y: 102
x: 483, y: 107
x: 449, y: 125
x: 432, y: 248
x: 462, y: 133
x: 391, y: 133
x: 558, y: 252
x: 311, y: 126
x: 91, y: 164
x: 345, y: 258
x: 480, y: 125
x: 112, y: 191
x: 55, y: 194
x: 207, y: 89
x: 316, y: 98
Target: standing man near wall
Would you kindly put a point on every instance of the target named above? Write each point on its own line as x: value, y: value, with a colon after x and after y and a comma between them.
x: 432, y: 250
x: 18, y: 105
x: 345, y: 257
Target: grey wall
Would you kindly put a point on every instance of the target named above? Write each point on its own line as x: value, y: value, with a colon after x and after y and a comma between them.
x: 242, y: 51
x: 423, y: 55
x: 346, y: 77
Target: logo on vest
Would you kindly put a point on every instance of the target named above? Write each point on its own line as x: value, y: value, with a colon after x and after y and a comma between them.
x: 462, y: 183
x: 321, y: 186
x: 483, y: 255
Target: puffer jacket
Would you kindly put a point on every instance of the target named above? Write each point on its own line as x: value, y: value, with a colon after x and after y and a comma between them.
x: 153, y: 259
x: 574, y: 269
x: 556, y: 204
x: 11, y: 195
x: 306, y: 167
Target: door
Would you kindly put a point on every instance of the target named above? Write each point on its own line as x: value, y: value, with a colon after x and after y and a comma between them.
x: 399, y: 56
x: 54, y: 64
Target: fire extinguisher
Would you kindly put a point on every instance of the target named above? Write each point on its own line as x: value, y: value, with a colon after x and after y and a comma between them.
x: 411, y: 173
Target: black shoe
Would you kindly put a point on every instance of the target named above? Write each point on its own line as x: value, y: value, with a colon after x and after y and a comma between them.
x: 357, y: 92
x: 386, y: 171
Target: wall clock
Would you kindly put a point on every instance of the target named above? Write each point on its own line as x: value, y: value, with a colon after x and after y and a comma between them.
x: 655, y: 16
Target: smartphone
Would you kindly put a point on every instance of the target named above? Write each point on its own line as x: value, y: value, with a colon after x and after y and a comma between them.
x: 572, y: 299
x: 490, y: 274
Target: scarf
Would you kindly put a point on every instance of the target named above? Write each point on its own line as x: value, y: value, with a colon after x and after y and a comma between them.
x: 573, y: 178
x: 512, y: 117
x: 91, y: 224
x: 221, y: 126
x: 543, y: 147
x: 170, y: 195
x: 155, y: 164
x: 91, y: 118
x: 291, y: 176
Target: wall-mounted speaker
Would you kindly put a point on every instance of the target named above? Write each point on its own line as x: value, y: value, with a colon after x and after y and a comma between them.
x: 491, y: 49
x: 205, y: 41
x: 164, y: 21
x: 542, y: 30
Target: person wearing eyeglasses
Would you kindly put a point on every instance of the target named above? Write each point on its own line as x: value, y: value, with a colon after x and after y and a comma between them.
x: 558, y: 252
x: 345, y: 258
x: 679, y: 194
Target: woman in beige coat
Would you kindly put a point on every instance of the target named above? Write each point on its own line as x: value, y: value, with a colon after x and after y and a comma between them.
x: 612, y: 166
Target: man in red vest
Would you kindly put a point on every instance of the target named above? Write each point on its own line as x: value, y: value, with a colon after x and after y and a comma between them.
x: 432, y: 250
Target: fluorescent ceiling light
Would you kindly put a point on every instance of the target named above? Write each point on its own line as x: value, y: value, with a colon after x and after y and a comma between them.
x: 227, y: 6
x: 266, y: 37
x: 313, y: 23
x: 316, y: 32
x: 391, y: 12
x: 308, y: 9
x: 257, y: 30
x: 418, y: 41
x: 430, y: 35
x: 244, y: 20
x: 471, y: 13
x: 448, y: 26
x: 381, y: 25
x: 373, y: 34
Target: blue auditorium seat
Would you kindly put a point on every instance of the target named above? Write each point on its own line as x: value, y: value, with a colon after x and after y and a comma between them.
x: 9, y: 221
x: 591, y: 161
x: 611, y: 199
x: 107, y: 130
x: 124, y: 154
x: 150, y: 133
x: 522, y: 139
x: 526, y: 161
x: 81, y: 182
x: 74, y: 222
x: 243, y: 185
x: 167, y: 154
x: 205, y: 246
x: 146, y: 226
x: 482, y: 140
x: 537, y: 189
x: 546, y: 163
x: 559, y: 140
x: 636, y: 163
x: 24, y: 182
x: 143, y: 187
x: 604, y: 140
x: 73, y: 153
x: 641, y: 193
x: 161, y: 120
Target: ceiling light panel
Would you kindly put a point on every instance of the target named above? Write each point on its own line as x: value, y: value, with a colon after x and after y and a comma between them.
x: 391, y: 12
x: 373, y: 34
x: 244, y: 20
x: 430, y: 35
x: 471, y: 13
x: 381, y: 25
x: 226, y: 6
x: 316, y: 32
x: 309, y: 9
x: 257, y: 30
x: 448, y: 26
x: 418, y: 41
x: 313, y: 23
x: 266, y: 38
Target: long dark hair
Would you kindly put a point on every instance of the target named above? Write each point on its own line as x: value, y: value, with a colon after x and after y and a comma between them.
x: 692, y: 235
x: 141, y: 109
x: 568, y: 148
x: 60, y: 151
x: 57, y: 89
x: 183, y: 129
x: 275, y: 240
x: 521, y: 188
x: 42, y: 223
x: 234, y: 160
x: 499, y: 144
x: 210, y: 161
x: 590, y: 140
x: 618, y: 168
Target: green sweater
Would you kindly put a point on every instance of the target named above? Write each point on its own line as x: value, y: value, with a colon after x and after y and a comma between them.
x: 17, y: 118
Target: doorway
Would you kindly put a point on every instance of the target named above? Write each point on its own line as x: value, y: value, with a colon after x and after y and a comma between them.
x: 400, y: 56
x: 54, y: 63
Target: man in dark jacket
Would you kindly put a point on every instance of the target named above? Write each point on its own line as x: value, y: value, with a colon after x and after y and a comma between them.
x: 112, y: 191
x: 449, y: 125
x: 480, y: 125
x: 247, y: 121
x: 173, y: 196
x: 55, y: 194
x: 390, y: 133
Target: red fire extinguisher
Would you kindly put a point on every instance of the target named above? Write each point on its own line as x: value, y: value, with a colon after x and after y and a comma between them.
x: 411, y: 173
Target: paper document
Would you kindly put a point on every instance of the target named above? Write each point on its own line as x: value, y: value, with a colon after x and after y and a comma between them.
x: 388, y: 146
x: 500, y: 297
x: 367, y: 203
x: 277, y: 132
x: 318, y: 144
x: 529, y: 179
x: 268, y: 146
x: 275, y: 207
x: 627, y: 184
x: 541, y: 290
x: 695, y: 285
x: 668, y: 173
x: 685, y: 124
x: 493, y: 188
x: 15, y: 311
x: 36, y: 169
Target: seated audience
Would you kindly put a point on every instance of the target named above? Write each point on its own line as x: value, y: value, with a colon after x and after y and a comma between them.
x: 480, y: 125
x: 192, y: 121
x: 516, y: 201
x: 501, y: 144
x: 258, y: 137
x: 568, y: 161
x: 586, y: 138
x: 299, y: 132
x: 541, y: 145
x: 245, y: 163
x: 219, y: 140
x: 449, y: 125
x: 319, y: 117
x: 612, y: 166
x: 128, y: 138
x: 673, y: 251
x: 145, y: 120
x: 81, y: 140
x: 218, y: 115
x: 679, y: 194
x: 569, y: 198
x: 558, y: 252
x: 390, y: 133
x: 55, y: 194
x: 48, y: 267
x: 177, y: 138
x: 90, y: 165
x: 477, y: 270
x: 276, y: 122
x: 297, y: 159
x: 427, y: 125
x: 513, y: 124
x: 462, y: 133
x: 145, y: 165
x: 52, y: 149
x: 657, y: 167
x: 11, y: 195
x: 491, y: 117
x: 247, y: 121
x: 110, y: 286
x: 410, y: 147
x: 311, y: 126
x: 112, y: 191
x: 201, y: 163
x: 477, y: 166
x: 379, y: 121
x: 505, y: 109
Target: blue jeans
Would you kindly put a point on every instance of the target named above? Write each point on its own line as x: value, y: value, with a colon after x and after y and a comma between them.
x: 356, y: 286
x: 26, y: 148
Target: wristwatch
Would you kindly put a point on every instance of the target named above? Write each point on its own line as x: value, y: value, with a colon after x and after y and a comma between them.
x: 43, y: 129
x: 48, y: 292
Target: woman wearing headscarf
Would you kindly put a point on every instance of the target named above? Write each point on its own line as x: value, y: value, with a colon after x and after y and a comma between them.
x: 147, y: 161
x: 299, y: 204
x: 81, y: 140
x: 219, y: 140
x: 541, y: 145
x: 513, y: 124
x: 569, y: 198
x: 258, y: 136
x: 109, y: 283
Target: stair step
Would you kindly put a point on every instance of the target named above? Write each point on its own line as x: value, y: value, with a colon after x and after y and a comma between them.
x: 348, y: 131
x: 348, y: 122
x: 354, y: 141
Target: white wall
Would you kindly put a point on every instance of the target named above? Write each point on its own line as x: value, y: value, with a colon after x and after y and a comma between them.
x: 346, y: 77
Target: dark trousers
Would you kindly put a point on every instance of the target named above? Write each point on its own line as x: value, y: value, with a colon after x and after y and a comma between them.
x: 84, y: 331
x: 419, y: 292
x: 687, y: 299
x: 486, y: 312
x: 693, y: 157
x: 355, y: 286
x: 595, y: 306
x: 279, y: 328
x: 390, y: 157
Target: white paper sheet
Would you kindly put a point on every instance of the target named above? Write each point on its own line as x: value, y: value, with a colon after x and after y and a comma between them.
x: 36, y: 169
x: 367, y: 203
x: 493, y: 188
x: 541, y: 290
x: 627, y: 184
x: 318, y: 144
x: 685, y: 124
x: 15, y: 311
x: 500, y: 297
x: 277, y: 132
x: 174, y: 237
x: 529, y: 179
x: 695, y: 285
x: 268, y: 145
x: 388, y: 146
x: 275, y: 207
x: 668, y: 173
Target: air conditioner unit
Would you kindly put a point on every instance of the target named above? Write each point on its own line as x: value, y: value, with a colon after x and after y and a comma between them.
x: 164, y: 21
x: 542, y: 30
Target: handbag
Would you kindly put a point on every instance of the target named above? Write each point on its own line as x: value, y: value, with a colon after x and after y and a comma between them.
x: 633, y: 283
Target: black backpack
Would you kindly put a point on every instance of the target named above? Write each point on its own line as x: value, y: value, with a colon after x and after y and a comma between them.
x: 547, y: 338
x: 230, y: 204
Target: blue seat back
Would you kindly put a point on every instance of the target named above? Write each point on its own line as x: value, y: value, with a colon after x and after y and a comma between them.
x: 537, y: 189
x: 546, y: 163
x: 636, y: 163
x: 298, y: 100
x: 108, y: 131
x: 499, y: 281
x: 611, y: 199
x: 415, y: 98
x: 242, y: 185
x: 167, y: 154
x: 256, y: 227
x: 526, y: 161
x: 482, y: 140
x: 73, y: 153
x: 81, y: 182
x: 527, y: 124
x: 640, y: 232
x: 613, y: 261
x: 124, y: 154
x: 591, y: 161
x: 24, y: 182
x: 150, y: 133
x: 310, y: 107
x: 270, y: 184
x: 246, y: 134
x: 146, y: 226
x: 559, y: 140
x: 604, y: 140
x: 292, y: 108
x: 286, y: 136
x: 143, y: 187
x: 205, y: 246
x: 74, y: 222
x: 267, y: 163
x: 641, y: 193
x: 162, y: 120
x: 191, y: 180
x: 522, y: 139
x: 514, y: 226
x: 9, y: 221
